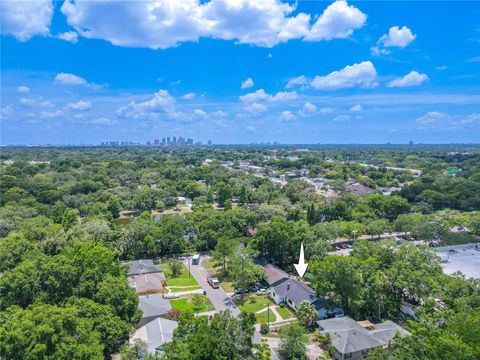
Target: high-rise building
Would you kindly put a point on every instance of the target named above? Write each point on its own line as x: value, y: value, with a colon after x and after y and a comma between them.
x: 209, y: 142
x: 168, y: 140
x: 156, y: 142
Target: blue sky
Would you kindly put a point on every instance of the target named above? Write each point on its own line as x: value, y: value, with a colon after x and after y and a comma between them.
x: 240, y: 71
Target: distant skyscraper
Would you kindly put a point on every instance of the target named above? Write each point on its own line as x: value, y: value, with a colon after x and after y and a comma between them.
x: 209, y: 142
x: 410, y: 143
x: 163, y: 141
x: 168, y: 140
x: 157, y: 142
x: 174, y: 140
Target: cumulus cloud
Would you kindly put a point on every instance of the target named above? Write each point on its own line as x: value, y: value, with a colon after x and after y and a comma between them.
x: 308, y: 109
x: 162, y: 24
x: 339, y: 20
x: 261, y: 95
x: 23, y: 89
x: 200, y: 113
x: 356, y: 108
x: 162, y: 104
x: 70, y: 36
x: 189, y: 96
x: 69, y: 79
x: 250, y: 129
x: 80, y: 105
x: 413, y: 78
x: 255, y: 108
x: 396, y: 37
x: 301, y: 80
x: 363, y: 74
x: 247, y: 83
x: 342, y: 118
x: 25, y: 19
x: 287, y: 116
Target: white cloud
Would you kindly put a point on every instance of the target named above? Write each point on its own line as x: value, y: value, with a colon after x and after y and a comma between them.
x: 51, y: 114
x: 301, y: 80
x: 161, y: 104
x: 246, y: 84
x: 326, y: 110
x: 356, y: 108
x: 70, y: 36
x: 397, y: 37
x: 23, y: 89
x: 220, y: 113
x: 363, y: 75
x: 25, y: 19
x: 339, y: 20
x: 200, y: 113
x: 441, y: 67
x: 342, y: 118
x: 413, y: 78
x: 287, y: 116
x: 469, y: 121
x: 308, y: 109
x: 189, y: 96
x: 255, y: 108
x: 432, y: 117
x: 162, y: 24
x: 261, y: 95
x: 70, y: 79
x: 80, y: 105
x: 102, y: 121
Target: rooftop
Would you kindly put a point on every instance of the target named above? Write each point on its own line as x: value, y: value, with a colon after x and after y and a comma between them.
x: 139, y: 267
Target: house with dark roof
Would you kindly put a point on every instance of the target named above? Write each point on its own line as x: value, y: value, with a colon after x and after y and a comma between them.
x: 145, y: 277
x: 292, y: 292
x: 152, y: 307
x: 353, y: 340
x: 274, y: 274
x: 359, y: 189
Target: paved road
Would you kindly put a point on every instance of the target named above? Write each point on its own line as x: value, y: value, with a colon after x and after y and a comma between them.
x: 219, y: 298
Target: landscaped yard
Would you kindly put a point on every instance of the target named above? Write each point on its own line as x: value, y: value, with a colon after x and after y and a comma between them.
x: 182, y: 280
x: 253, y: 303
x: 264, y: 318
x: 285, y: 313
x: 216, y: 270
x: 185, y: 303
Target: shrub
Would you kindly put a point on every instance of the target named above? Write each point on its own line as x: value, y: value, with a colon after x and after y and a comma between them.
x: 264, y: 329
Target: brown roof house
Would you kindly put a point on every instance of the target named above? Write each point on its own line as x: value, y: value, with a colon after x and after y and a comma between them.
x: 359, y: 189
x: 145, y: 277
x: 353, y: 340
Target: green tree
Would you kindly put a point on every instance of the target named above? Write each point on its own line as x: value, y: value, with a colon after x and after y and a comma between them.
x: 70, y: 218
x: 306, y: 314
x: 294, y: 340
x: 175, y: 268
x: 113, y: 206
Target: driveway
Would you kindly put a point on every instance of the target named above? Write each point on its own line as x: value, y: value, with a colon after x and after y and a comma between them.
x: 219, y: 298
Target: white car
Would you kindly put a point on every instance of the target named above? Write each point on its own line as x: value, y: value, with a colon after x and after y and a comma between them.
x: 262, y: 292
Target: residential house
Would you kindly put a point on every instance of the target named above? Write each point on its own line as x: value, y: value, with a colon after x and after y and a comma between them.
x: 152, y: 306
x: 359, y: 189
x: 145, y: 277
x: 293, y: 292
x: 155, y: 333
x: 353, y: 340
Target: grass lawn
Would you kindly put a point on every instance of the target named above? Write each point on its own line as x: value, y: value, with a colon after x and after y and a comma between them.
x: 181, y: 280
x: 284, y: 313
x: 262, y: 317
x: 184, y: 303
x: 216, y: 270
x: 253, y: 303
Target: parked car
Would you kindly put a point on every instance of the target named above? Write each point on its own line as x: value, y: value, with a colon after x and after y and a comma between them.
x: 213, y: 281
x: 262, y: 292
x: 240, y: 291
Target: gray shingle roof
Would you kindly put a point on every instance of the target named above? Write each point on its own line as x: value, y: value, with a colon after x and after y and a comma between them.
x: 153, y: 305
x: 295, y: 291
x: 155, y: 333
x: 139, y: 267
x: 273, y: 274
x: 349, y: 336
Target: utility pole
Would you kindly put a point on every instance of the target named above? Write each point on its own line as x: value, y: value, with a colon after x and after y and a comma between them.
x: 188, y: 260
x: 243, y: 277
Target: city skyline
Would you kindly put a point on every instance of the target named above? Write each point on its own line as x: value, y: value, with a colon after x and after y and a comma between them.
x: 312, y: 72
